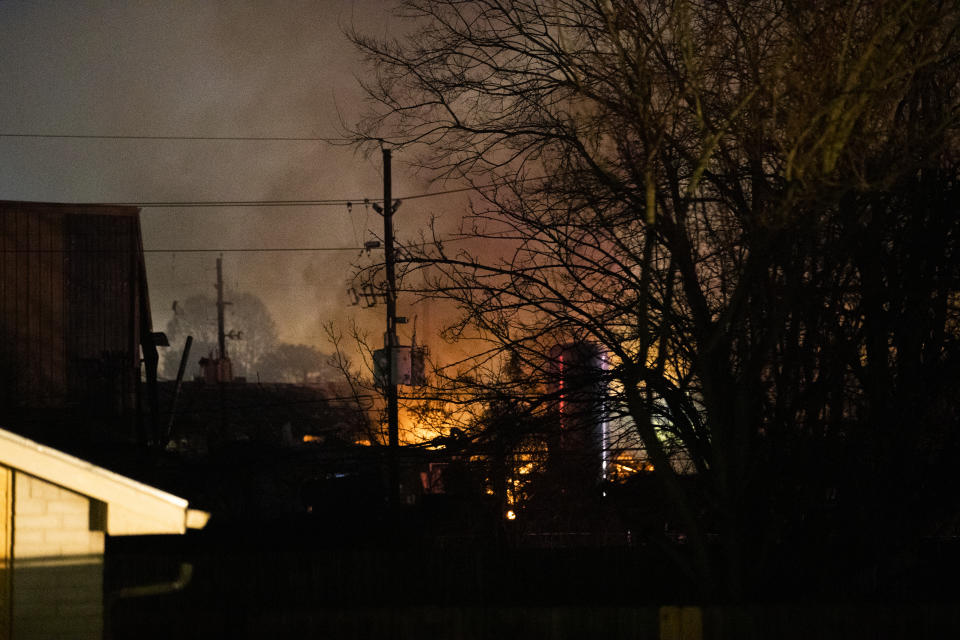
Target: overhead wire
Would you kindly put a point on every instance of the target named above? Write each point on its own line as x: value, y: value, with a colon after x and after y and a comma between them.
x: 5, y: 250
x: 176, y: 204
x: 82, y: 136
x: 255, y: 250
x: 186, y: 204
x: 240, y: 203
x: 329, y: 202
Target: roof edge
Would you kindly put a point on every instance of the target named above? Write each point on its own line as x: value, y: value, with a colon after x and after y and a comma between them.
x: 89, y: 208
x: 75, y: 474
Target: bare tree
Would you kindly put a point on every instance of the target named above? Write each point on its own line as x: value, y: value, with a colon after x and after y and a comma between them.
x: 252, y: 330
x: 749, y: 206
x: 359, y: 386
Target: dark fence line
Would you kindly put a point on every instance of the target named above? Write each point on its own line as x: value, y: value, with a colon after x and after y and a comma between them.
x: 783, y: 622
x: 278, y: 577
x: 281, y: 589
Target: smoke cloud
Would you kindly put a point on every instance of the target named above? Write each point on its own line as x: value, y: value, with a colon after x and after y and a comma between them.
x: 195, y: 68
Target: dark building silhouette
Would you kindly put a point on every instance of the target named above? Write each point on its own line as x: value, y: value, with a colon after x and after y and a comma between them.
x: 74, y: 319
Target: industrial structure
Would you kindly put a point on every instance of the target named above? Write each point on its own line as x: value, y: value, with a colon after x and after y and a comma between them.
x: 579, y: 447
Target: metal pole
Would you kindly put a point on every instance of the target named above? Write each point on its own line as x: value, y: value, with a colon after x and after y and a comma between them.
x: 176, y: 392
x: 390, y: 338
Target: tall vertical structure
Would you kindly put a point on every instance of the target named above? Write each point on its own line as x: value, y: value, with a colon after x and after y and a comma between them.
x: 219, y: 369
x: 579, y: 446
x: 224, y: 368
x: 390, y: 337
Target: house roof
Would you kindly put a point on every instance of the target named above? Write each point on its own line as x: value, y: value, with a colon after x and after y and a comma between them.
x: 133, y: 508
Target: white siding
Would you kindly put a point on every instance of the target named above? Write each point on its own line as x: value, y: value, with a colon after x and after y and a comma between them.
x: 58, y: 563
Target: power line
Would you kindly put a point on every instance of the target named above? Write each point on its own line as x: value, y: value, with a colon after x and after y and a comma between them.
x: 331, y: 202
x: 439, y: 193
x: 256, y: 250
x: 80, y: 136
x: 341, y: 202
x: 188, y: 250
x: 239, y: 203
x: 337, y: 202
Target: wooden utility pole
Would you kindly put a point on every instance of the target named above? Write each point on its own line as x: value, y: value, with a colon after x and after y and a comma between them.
x: 390, y: 337
x: 221, y: 333
x: 224, y: 370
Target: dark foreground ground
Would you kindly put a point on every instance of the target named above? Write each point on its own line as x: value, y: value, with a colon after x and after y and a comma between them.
x: 324, y: 579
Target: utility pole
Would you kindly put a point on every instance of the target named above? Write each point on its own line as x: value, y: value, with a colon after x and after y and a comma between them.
x: 390, y: 337
x: 222, y: 363
x: 221, y: 333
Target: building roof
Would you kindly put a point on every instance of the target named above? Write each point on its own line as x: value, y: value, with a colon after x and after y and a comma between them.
x: 70, y: 208
x: 133, y: 508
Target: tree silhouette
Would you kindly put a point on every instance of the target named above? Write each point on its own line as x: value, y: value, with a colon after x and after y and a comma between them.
x: 247, y: 318
x: 748, y: 207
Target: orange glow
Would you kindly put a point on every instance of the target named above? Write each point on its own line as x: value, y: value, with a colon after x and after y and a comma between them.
x: 419, y: 428
x: 511, y: 515
x: 312, y: 438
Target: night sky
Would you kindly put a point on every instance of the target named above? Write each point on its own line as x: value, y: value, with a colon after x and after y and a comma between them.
x: 194, y: 68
